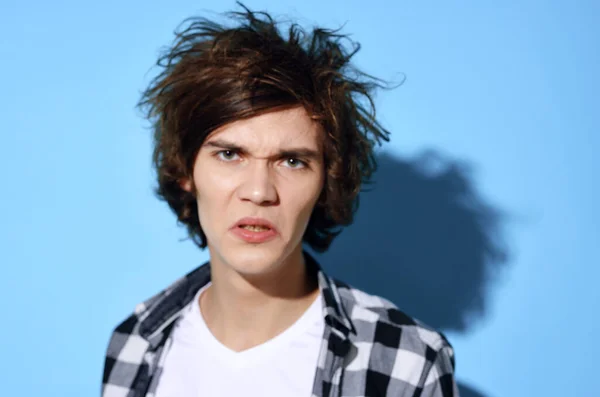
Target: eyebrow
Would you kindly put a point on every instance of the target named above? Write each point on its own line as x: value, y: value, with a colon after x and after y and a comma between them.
x: 297, y: 152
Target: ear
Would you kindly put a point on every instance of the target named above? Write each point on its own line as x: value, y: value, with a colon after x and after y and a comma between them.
x: 186, y: 184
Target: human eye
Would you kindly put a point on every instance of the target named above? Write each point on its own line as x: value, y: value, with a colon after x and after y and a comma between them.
x: 227, y: 155
x: 295, y: 163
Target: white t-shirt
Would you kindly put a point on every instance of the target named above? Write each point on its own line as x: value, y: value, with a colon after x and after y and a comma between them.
x: 197, y: 364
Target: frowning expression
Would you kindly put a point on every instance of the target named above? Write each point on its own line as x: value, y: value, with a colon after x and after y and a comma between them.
x: 257, y: 182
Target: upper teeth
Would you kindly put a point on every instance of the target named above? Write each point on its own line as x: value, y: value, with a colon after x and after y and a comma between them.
x: 255, y: 227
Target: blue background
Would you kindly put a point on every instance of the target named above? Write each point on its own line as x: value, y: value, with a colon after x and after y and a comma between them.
x: 483, y: 222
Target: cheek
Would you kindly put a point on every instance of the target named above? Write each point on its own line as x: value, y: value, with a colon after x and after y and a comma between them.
x: 303, y: 198
x: 213, y: 184
x: 212, y: 194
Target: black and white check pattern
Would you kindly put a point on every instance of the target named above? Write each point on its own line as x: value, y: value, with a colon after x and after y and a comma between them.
x: 370, y: 348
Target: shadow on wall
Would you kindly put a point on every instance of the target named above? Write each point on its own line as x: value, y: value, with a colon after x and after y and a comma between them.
x: 425, y: 240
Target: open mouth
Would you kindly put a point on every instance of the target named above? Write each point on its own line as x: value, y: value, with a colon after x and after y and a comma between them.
x: 255, y: 228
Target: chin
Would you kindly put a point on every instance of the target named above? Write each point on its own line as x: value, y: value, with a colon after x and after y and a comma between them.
x: 253, y: 260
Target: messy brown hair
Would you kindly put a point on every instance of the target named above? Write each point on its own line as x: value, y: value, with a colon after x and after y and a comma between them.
x: 215, y: 74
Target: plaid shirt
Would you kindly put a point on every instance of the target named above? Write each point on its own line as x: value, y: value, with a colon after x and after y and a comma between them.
x: 369, y: 347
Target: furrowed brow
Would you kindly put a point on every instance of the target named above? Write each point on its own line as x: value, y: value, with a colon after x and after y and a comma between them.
x: 223, y: 144
x: 300, y: 152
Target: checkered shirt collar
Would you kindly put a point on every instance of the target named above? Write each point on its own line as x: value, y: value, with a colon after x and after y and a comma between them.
x: 157, y: 315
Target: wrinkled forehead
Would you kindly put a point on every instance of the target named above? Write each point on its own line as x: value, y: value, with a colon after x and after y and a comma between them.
x: 273, y: 131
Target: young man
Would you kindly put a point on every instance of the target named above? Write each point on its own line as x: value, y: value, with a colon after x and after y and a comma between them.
x: 261, y: 144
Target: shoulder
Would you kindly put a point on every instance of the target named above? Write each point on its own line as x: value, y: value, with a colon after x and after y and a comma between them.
x: 393, y: 351
x: 147, y: 325
x: 159, y: 308
x: 387, y: 324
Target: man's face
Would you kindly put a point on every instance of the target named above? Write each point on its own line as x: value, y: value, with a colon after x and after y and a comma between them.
x: 269, y: 170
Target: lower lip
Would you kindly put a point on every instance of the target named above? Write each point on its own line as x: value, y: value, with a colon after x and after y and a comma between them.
x: 252, y: 236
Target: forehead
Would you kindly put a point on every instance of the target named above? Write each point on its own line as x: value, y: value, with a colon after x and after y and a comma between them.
x: 273, y: 130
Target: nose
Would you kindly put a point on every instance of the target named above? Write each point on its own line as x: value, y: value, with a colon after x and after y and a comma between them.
x: 258, y: 185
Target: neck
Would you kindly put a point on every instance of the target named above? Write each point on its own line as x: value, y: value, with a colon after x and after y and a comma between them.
x: 244, y: 311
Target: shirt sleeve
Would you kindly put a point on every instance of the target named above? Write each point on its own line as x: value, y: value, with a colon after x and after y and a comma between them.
x: 440, y: 381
